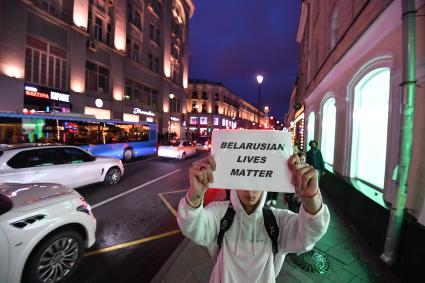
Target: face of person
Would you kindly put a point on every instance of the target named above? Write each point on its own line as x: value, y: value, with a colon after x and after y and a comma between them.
x: 313, y: 145
x: 249, y: 199
x: 302, y: 159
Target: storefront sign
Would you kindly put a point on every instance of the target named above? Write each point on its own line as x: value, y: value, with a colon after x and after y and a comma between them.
x: 215, y: 121
x: 252, y: 160
x: 45, y: 93
x: 98, y: 102
x: 59, y: 96
x: 174, y: 119
x: 140, y: 111
x: 203, y: 120
x: 193, y: 120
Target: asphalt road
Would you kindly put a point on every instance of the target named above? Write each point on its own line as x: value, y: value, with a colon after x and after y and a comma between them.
x: 136, y: 226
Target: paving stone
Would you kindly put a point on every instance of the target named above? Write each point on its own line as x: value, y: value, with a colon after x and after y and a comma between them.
x: 285, y: 277
x: 180, y: 272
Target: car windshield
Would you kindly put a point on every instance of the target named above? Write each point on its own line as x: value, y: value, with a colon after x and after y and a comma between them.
x: 172, y: 143
x: 5, y: 204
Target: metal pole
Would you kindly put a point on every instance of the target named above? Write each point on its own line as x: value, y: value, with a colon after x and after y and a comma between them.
x: 258, y: 106
x: 395, y: 222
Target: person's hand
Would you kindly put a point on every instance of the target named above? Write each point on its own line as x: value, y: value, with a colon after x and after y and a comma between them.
x: 305, y: 177
x: 200, y: 175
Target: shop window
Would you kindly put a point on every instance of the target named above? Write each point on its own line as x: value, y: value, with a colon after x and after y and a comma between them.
x: 215, y: 109
x: 45, y: 64
x: 328, y: 131
x: 370, y: 124
x: 204, y: 108
x: 204, y: 95
x: 310, y: 127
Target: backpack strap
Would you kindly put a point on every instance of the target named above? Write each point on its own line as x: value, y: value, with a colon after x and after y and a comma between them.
x: 225, y: 224
x: 271, y: 227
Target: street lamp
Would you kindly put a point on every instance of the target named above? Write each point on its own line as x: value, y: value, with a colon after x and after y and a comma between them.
x: 171, y: 95
x: 260, y: 79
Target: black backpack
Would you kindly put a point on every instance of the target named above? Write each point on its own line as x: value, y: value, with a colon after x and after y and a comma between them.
x: 269, y: 222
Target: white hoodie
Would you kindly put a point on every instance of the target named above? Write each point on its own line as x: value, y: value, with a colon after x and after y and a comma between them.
x: 246, y: 252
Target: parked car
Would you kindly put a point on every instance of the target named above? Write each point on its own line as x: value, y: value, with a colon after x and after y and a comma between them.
x: 177, y: 149
x: 203, y: 143
x: 67, y: 165
x: 44, y: 229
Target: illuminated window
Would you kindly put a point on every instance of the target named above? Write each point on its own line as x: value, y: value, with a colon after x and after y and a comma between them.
x: 334, y: 28
x: 310, y: 127
x: 328, y: 130
x: 370, y: 122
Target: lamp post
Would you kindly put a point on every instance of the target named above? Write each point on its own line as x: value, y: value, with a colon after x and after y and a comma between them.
x: 171, y: 95
x: 266, y: 117
x: 260, y: 79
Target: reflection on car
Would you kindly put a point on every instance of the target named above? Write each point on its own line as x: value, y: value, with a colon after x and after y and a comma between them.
x: 66, y: 165
x: 44, y: 229
x: 177, y: 149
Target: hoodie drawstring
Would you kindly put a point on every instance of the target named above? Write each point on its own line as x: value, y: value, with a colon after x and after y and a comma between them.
x: 239, y: 234
x: 255, y: 232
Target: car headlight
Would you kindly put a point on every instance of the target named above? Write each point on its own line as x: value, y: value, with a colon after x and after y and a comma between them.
x: 85, y: 207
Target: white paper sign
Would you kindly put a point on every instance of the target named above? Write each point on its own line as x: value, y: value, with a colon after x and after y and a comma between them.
x: 252, y: 160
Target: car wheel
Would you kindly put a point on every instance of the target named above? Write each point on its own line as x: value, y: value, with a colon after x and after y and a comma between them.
x: 113, y: 176
x: 55, y: 259
x: 183, y: 156
x: 128, y: 154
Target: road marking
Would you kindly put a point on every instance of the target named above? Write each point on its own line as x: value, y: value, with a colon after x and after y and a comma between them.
x: 133, y: 189
x: 132, y: 163
x: 173, y: 192
x: 167, y: 203
x: 132, y: 243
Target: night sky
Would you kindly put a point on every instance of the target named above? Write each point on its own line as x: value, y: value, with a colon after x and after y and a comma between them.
x: 233, y: 40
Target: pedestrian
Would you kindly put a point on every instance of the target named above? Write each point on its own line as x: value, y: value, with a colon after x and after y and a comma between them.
x: 314, y: 158
x: 247, y: 252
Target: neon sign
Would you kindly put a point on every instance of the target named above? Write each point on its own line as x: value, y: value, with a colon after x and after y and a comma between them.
x: 140, y: 111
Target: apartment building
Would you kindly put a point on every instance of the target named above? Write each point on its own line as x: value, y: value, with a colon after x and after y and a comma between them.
x: 114, y: 59
x: 211, y: 105
x: 351, y: 90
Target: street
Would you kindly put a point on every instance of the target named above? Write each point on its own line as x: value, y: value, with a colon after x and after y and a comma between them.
x: 136, y: 226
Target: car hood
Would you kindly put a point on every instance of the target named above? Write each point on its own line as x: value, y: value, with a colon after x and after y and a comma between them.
x: 26, y: 197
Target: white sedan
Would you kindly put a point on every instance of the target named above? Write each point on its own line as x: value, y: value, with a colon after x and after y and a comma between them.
x: 177, y: 149
x: 66, y: 165
x: 44, y: 229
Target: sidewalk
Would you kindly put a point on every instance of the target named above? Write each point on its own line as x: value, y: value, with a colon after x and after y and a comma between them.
x: 348, y: 256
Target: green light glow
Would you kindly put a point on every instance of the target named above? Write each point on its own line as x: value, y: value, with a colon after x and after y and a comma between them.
x: 370, y: 123
x: 328, y: 130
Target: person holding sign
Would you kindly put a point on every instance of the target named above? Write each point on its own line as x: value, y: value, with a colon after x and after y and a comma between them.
x: 252, y: 250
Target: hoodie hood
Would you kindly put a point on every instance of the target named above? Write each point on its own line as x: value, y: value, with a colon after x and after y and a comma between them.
x: 237, y: 205
x: 249, y: 219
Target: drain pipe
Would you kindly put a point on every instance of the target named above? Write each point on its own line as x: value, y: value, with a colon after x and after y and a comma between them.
x: 392, y: 240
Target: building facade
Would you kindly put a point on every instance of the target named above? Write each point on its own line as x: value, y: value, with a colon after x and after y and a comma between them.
x: 114, y: 59
x: 211, y: 105
x: 350, y: 93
